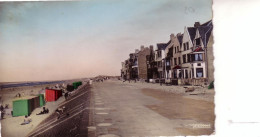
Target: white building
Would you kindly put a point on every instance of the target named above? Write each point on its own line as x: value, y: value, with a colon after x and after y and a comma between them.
x: 198, y: 56
x: 160, y: 59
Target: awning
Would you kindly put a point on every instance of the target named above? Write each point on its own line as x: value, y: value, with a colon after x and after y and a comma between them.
x: 198, y: 49
x: 177, y: 67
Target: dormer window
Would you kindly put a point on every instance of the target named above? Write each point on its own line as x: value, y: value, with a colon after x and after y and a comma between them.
x: 197, y: 41
x: 159, y: 53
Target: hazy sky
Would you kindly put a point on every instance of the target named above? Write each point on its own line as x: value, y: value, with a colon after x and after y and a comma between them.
x: 65, y: 40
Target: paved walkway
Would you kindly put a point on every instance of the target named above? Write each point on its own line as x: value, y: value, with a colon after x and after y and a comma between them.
x: 121, y: 109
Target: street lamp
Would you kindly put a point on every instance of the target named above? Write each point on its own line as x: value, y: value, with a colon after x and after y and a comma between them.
x: 163, y: 65
x: 148, y: 67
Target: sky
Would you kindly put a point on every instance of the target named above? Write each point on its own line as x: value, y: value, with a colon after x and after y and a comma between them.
x: 65, y: 40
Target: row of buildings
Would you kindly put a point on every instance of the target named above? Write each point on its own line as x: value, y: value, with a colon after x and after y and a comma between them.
x: 186, y: 59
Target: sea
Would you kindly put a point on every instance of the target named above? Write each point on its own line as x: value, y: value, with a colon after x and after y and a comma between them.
x: 22, y: 84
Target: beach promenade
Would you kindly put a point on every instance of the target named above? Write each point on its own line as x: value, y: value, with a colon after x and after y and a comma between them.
x: 117, y: 108
x: 145, y: 109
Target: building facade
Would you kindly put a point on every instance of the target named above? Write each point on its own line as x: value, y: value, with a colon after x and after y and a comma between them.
x: 169, y: 60
x: 176, y: 67
x: 187, y: 44
x: 160, y: 60
x: 142, y: 62
x: 187, y: 59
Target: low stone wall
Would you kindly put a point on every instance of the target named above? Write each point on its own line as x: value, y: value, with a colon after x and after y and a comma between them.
x: 194, y: 82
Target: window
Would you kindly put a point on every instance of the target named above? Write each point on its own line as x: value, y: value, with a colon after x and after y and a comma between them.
x: 197, y: 41
x: 175, y: 49
x: 198, y: 57
x: 159, y: 53
x: 192, y: 57
x: 162, y: 74
x: 167, y: 63
x: 184, y: 58
x: 175, y: 74
x: 175, y: 61
x: 199, y: 72
x: 187, y: 44
x: 199, y: 64
x: 186, y: 73
x: 178, y: 49
x: 189, y: 57
x: 180, y: 74
x: 179, y: 60
x: 184, y: 46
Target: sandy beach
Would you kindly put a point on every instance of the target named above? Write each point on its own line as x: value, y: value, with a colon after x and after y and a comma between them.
x: 10, y: 126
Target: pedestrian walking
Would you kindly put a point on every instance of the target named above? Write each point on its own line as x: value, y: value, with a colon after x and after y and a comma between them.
x: 58, y: 112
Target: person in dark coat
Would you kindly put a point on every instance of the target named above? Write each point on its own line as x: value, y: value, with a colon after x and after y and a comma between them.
x: 44, y: 111
x: 66, y: 95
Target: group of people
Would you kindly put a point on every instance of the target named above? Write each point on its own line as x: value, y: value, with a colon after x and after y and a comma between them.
x: 59, y: 111
x: 27, y: 119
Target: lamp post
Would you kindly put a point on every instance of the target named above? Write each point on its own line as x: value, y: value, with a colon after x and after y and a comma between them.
x: 148, y: 68
x: 163, y: 65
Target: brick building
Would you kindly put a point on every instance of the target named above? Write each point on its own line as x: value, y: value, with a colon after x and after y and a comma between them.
x: 142, y: 62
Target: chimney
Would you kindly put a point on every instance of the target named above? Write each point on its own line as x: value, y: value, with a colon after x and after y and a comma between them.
x: 179, y: 34
x: 196, y: 24
x: 171, y: 36
x: 142, y: 47
x: 136, y: 50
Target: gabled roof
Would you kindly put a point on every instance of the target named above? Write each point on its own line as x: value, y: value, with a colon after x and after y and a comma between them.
x: 179, y: 37
x: 208, y: 23
x: 169, y: 42
x: 192, y: 32
x: 161, y: 46
x: 205, y: 32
